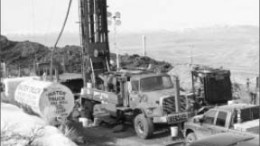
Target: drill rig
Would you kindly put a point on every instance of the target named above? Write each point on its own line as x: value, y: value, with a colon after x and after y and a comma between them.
x: 139, y: 96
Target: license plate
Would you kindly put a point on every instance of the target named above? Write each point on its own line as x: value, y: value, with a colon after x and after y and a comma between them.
x: 177, y: 118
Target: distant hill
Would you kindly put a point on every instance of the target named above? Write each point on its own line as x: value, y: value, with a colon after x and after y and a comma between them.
x: 228, y: 46
x: 232, y: 47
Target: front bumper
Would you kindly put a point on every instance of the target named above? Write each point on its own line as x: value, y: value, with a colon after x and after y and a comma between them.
x: 174, y: 118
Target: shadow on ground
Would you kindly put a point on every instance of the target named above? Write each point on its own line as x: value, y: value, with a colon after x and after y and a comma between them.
x: 104, y: 136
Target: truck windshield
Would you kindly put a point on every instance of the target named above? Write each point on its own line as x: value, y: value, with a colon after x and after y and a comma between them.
x: 156, y: 83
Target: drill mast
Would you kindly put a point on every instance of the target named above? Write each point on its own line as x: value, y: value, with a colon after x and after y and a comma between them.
x: 94, y: 38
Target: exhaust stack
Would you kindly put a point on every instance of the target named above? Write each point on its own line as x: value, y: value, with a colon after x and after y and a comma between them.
x: 176, y: 83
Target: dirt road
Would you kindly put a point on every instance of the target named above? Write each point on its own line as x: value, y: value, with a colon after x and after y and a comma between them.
x: 95, y: 136
x: 104, y: 136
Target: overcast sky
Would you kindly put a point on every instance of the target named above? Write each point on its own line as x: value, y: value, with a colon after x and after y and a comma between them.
x: 45, y: 16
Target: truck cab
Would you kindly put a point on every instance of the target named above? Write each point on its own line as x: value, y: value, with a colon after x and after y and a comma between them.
x: 154, y: 90
x: 235, y: 118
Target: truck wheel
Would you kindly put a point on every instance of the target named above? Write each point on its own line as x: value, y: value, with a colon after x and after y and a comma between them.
x: 191, y: 137
x: 143, y: 126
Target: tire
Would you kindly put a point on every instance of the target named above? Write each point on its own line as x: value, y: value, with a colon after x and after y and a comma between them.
x: 143, y: 126
x: 191, y: 137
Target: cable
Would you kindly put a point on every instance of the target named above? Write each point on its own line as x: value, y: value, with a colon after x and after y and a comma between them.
x: 64, y: 23
x: 55, y: 45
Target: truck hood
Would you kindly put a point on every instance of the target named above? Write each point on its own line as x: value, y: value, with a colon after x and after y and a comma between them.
x: 159, y: 93
x: 154, y: 96
x: 249, y: 126
x: 194, y: 119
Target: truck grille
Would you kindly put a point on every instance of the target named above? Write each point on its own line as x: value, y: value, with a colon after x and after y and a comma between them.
x: 168, y: 105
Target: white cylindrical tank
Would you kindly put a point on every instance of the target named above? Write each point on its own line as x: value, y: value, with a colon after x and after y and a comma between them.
x: 11, y: 84
x: 41, y: 96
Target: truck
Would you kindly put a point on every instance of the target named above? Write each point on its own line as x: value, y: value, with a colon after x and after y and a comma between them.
x: 211, y: 86
x: 239, y: 118
x: 144, y: 98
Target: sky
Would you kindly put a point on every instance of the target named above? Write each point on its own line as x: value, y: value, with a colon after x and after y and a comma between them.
x: 47, y: 16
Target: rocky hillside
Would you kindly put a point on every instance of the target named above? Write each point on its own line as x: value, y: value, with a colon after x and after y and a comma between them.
x: 21, y: 53
x: 25, y: 54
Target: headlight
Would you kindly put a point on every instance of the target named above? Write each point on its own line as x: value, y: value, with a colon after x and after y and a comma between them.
x: 151, y: 110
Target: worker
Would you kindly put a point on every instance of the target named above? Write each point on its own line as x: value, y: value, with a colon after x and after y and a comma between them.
x: 251, y: 94
x: 248, y: 84
x: 252, y: 97
x: 198, y: 85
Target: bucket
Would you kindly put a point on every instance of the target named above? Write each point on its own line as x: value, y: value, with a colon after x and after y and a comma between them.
x: 84, y: 122
x: 174, y: 131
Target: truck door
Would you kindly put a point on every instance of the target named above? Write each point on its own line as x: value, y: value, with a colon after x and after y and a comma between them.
x: 206, y: 126
x: 222, y: 122
x: 134, y: 93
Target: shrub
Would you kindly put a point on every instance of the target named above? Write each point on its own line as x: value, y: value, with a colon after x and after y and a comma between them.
x: 71, y: 133
x: 49, y: 117
x: 9, y: 137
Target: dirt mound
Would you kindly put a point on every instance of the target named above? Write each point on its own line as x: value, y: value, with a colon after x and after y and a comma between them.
x: 142, y: 62
x: 184, y: 74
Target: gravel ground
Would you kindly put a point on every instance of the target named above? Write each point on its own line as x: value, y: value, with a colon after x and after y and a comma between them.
x: 104, y: 135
